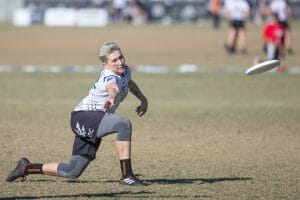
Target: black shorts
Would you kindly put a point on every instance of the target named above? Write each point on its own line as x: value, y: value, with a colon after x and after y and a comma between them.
x: 84, y: 125
x: 237, y: 24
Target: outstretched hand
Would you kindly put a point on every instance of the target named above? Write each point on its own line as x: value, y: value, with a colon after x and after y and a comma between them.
x: 142, y: 109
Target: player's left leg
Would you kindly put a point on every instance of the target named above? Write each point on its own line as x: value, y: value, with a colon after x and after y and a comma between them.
x: 242, y: 39
x: 111, y: 123
x: 230, y: 41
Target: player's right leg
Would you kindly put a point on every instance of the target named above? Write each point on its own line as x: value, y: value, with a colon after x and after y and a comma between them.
x: 231, y: 40
x: 19, y: 171
x: 74, y: 168
x: 71, y: 170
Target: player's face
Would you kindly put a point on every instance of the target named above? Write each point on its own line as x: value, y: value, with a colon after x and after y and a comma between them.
x: 116, y: 62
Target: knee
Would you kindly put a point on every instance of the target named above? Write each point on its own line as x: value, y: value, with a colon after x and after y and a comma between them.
x: 74, y: 168
x: 124, y: 129
x: 70, y: 173
x: 73, y: 174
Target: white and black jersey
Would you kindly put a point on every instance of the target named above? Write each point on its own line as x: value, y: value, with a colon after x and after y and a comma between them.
x: 98, y: 93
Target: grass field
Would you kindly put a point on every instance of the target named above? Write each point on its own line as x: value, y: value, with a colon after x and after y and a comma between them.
x: 153, y: 44
x: 206, y: 136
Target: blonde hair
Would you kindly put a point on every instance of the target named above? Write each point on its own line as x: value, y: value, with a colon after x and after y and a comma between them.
x: 107, y: 49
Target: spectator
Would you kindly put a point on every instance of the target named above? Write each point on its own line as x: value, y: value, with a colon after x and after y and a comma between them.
x: 169, y: 6
x: 137, y: 13
x: 98, y: 3
x: 118, y: 7
x: 260, y: 12
x: 214, y: 7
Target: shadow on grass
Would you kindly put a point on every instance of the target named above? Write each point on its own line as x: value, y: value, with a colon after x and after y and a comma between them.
x: 198, y: 181
x: 162, y: 181
x: 127, y: 194
x: 141, y: 194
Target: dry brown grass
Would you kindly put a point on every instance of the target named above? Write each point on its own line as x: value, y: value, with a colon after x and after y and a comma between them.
x: 153, y: 44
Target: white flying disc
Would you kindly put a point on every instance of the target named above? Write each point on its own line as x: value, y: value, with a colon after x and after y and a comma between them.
x: 262, y: 67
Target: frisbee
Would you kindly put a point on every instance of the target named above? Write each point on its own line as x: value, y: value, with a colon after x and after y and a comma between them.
x: 262, y: 67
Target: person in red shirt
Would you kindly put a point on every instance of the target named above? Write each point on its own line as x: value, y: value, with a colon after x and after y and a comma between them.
x: 274, y: 33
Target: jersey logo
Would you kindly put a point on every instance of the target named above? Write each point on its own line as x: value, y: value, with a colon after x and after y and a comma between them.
x: 82, y: 132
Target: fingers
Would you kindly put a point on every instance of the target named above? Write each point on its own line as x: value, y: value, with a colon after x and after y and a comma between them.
x: 107, y: 106
x: 140, y: 111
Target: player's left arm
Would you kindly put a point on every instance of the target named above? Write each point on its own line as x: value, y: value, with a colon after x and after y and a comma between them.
x: 135, y: 90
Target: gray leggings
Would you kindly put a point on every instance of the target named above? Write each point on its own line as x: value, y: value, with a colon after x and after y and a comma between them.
x: 110, y: 123
x: 74, y: 168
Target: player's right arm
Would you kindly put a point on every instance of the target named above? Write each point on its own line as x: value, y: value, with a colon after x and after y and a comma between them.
x: 113, y: 90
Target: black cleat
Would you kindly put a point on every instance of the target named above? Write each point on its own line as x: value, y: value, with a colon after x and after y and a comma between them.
x: 133, y: 181
x: 18, y: 172
x: 230, y: 50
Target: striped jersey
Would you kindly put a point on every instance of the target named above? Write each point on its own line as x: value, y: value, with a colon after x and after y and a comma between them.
x: 98, y: 94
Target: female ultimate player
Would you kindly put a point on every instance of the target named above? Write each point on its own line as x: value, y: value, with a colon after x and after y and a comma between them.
x: 94, y: 118
x: 237, y: 13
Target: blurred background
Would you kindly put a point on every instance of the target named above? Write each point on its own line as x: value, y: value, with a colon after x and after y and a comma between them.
x: 103, y: 12
x: 156, y: 34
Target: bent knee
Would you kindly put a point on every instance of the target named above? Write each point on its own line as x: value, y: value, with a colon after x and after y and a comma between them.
x: 124, y: 129
x: 74, y: 168
x: 70, y: 174
x: 73, y: 175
